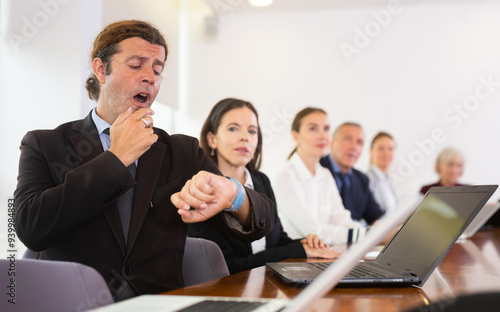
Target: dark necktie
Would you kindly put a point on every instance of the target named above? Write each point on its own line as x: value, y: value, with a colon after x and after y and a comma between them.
x: 346, y: 192
x: 125, y: 201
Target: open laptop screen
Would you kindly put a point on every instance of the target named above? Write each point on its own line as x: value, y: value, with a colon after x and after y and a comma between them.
x: 431, y: 231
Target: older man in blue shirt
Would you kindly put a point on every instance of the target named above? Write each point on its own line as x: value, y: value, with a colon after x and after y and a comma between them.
x: 347, y: 144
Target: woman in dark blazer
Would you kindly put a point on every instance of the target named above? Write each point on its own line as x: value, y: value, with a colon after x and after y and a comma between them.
x: 232, y: 138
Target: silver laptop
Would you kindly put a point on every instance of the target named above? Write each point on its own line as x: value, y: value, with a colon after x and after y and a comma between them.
x: 307, y: 297
x: 417, y: 247
x: 482, y: 217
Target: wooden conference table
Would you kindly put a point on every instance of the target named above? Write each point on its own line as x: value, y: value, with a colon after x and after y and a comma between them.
x: 470, y: 266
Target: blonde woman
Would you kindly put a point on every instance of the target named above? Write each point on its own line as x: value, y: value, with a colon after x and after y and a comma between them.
x: 306, y: 193
x: 449, y: 166
x: 381, y: 185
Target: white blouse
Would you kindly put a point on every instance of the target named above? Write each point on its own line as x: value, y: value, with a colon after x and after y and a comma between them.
x: 382, y: 189
x: 311, y: 204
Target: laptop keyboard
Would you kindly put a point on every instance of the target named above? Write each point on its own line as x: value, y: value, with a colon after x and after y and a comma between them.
x: 223, y: 306
x: 321, y: 265
x: 357, y: 272
x: 361, y: 271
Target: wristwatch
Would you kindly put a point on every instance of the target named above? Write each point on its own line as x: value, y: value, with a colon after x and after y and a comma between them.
x: 240, y: 196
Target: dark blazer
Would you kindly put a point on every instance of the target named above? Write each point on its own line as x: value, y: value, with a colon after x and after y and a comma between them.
x: 239, y: 255
x: 365, y: 205
x: 66, y: 207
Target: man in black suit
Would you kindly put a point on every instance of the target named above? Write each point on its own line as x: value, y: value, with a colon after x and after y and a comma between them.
x: 119, y: 202
x: 346, y: 146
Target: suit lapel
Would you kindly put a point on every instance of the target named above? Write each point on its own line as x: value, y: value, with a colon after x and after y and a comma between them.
x: 87, y: 144
x: 148, y: 170
x: 85, y: 140
x: 258, y: 186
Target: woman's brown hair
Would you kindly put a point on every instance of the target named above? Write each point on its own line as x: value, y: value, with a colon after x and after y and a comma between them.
x: 297, y: 121
x: 378, y: 136
x: 212, y: 123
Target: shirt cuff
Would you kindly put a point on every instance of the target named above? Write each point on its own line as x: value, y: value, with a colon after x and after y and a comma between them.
x: 235, y: 224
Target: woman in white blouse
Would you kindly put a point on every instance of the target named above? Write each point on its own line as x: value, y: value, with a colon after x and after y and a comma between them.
x: 307, y: 196
x: 381, y: 185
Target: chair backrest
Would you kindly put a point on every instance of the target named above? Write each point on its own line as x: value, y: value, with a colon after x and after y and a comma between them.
x: 30, y: 254
x: 39, y: 285
x: 203, y: 261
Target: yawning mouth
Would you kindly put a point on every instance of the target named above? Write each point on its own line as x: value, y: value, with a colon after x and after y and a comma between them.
x: 141, y: 97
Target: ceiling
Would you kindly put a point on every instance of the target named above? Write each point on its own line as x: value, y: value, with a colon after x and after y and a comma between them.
x: 287, y: 5
x: 235, y: 6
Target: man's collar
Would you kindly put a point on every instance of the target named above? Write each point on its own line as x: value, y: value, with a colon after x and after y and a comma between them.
x: 100, y: 123
x: 336, y: 168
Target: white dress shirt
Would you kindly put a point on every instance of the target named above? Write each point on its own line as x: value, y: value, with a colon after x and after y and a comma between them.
x: 312, y: 204
x: 382, y: 189
x: 102, y: 125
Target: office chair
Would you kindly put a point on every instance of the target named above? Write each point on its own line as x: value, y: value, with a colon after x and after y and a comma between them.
x: 30, y: 254
x: 203, y: 261
x: 38, y: 285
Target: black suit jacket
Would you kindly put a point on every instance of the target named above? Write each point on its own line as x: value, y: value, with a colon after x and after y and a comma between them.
x: 365, y: 205
x: 239, y: 255
x: 66, y: 207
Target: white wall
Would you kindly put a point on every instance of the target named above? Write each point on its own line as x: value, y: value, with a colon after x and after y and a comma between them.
x: 40, y: 77
x: 408, y: 73
x: 427, y: 58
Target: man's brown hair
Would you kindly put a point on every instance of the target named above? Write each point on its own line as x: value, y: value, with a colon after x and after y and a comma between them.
x: 106, y: 45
